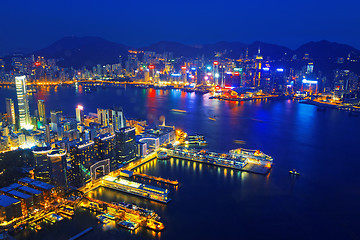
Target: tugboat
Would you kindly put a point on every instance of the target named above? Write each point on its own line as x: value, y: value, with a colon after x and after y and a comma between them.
x: 294, y: 173
x: 162, y: 155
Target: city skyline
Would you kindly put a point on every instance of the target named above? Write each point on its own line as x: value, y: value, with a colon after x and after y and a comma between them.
x: 201, y: 22
x: 174, y: 120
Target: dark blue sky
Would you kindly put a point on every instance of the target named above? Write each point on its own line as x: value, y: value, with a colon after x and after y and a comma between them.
x: 35, y: 24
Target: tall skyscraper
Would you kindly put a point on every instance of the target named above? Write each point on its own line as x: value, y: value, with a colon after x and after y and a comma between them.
x: 55, y: 116
x: 80, y: 114
x: 23, y: 103
x: 41, y: 112
x: 118, y: 119
x: 125, y: 146
x: 10, y: 110
x: 103, y: 116
x: 258, y: 66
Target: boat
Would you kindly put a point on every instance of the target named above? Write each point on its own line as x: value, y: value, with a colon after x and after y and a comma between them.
x: 162, y: 155
x: 31, y: 90
x: 103, y: 218
x: 212, y: 119
x: 293, y: 172
x: 178, y: 110
x: 128, y: 225
x: 155, y: 225
x: 196, y: 139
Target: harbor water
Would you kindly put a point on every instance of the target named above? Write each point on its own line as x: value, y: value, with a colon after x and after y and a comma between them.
x: 217, y: 203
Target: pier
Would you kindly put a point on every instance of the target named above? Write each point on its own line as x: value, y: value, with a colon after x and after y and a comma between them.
x: 157, y: 179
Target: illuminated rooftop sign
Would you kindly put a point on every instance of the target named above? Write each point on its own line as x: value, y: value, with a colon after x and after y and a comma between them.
x: 309, y: 81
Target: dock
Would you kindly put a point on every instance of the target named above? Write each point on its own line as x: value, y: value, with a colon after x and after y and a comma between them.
x: 81, y: 233
x: 157, y: 179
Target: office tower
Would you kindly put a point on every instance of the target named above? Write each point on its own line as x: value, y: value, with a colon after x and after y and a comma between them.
x: 47, y: 130
x: 82, y: 157
x: 80, y: 114
x: 118, y: 119
x: 57, y: 167
x: 258, y: 64
x: 41, y: 112
x: 23, y: 104
x: 216, y: 74
x: 103, y: 117
x: 105, y: 149
x: 10, y: 110
x: 125, y: 146
x: 55, y: 117
x: 41, y: 166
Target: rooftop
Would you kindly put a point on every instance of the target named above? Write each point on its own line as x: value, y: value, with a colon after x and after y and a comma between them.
x: 42, y: 185
x: 19, y: 194
x: 11, y: 187
x: 26, y: 180
x: 6, y: 201
x: 29, y: 190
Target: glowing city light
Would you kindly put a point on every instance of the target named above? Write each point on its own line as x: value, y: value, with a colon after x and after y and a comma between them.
x: 309, y: 81
x: 80, y: 107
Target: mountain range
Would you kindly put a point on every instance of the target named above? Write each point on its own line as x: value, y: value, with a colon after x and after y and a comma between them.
x: 90, y: 51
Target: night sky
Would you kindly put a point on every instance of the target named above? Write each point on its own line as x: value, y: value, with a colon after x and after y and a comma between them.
x: 26, y: 24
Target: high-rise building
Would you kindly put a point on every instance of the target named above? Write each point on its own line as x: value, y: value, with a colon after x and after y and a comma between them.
x: 80, y: 114
x: 82, y: 157
x: 103, y: 117
x: 118, y: 119
x: 57, y: 167
x: 41, y: 112
x: 125, y: 145
x: 23, y: 103
x: 10, y: 110
x: 55, y: 116
x: 105, y: 148
x: 258, y: 66
x: 41, y: 166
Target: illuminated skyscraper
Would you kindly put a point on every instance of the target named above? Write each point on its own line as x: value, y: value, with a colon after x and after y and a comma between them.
x: 258, y: 65
x: 41, y: 111
x: 125, y: 146
x: 103, y: 116
x: 80, y: 114
x: 118, y: 119
x: 216, y: 74
x: 10, y: 110
x: 23, y: 104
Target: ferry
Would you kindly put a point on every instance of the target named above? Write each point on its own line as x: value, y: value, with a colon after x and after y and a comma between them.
x: 155, y: 225
x: 239, y: 141
x: 162, y: 155
x: 128, y: 225
x: 293, y: 172
x: 178, y: 110
x: 142, y: 211
x: 196, y: 139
